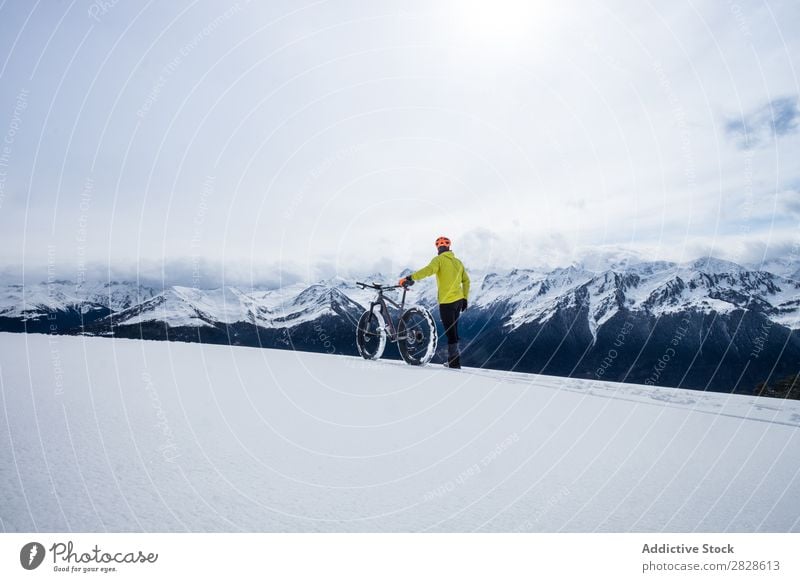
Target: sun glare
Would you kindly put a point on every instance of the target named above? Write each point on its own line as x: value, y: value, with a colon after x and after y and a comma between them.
x: 499, y: 23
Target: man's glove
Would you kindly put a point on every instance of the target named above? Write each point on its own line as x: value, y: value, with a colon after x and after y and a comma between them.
x: 463, y: 305
x: 406, y: 281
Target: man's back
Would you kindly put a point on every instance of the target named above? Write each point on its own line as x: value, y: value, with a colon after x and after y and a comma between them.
x: 451, y: 277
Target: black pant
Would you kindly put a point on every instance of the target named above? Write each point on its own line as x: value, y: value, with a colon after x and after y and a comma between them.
x: 449, y: 313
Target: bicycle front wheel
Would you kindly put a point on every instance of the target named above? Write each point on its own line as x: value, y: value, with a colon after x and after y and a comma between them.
x: 417, y: 336
x: 371, y: 335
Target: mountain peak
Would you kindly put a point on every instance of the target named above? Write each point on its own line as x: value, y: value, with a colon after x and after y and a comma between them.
x: 715, y: 265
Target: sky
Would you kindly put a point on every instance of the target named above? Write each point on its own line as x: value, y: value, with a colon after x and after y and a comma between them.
x: 267, y: 142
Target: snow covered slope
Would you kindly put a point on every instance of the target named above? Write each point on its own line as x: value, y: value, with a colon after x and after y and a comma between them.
x: 120, y: 435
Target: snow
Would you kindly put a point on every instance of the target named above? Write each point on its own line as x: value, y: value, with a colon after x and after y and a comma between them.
x: 189, y: 307
x: 714, y: 265
x: 787, y: 267
x: 522, y: 296
x: 658, y: 288
x: 25, y: 301
x: 122, y: 435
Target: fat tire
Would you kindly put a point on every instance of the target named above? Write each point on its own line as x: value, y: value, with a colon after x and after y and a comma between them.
x: 429, y: 340
x: 371, y: 335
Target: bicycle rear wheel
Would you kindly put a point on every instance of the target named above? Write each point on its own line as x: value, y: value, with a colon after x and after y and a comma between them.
x: 417, y: 336
x: 371, y: 335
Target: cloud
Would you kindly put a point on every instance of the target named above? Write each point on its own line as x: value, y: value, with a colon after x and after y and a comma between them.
x: 776, y: 118
x: 189, y: 272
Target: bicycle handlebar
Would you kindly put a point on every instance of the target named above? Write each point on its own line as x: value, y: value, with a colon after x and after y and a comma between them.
x: 377, y: 286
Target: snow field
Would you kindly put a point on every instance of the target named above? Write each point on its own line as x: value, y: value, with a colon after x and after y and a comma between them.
x: 122, y: 435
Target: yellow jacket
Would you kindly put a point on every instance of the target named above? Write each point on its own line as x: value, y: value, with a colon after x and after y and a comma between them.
x: 451, y: 277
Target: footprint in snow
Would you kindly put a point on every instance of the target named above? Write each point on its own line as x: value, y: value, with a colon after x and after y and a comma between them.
x: 672, y: 399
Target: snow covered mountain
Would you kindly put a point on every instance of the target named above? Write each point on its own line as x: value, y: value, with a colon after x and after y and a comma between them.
x: 719, y: 325
x: 127, y: 303
x: 125, y: 436
x: 704, y: 285
x: 34, y: 301
x: 62, y: 305
x: 312, y: 318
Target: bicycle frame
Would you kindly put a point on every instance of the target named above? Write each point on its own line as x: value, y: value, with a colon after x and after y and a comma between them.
x: 382, y: 301
x: 417, y: 340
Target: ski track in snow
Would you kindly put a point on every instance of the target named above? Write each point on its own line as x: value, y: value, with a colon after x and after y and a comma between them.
x: 124, y: 435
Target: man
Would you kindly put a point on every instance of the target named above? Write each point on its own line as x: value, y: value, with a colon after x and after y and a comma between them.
x: 453, y: 284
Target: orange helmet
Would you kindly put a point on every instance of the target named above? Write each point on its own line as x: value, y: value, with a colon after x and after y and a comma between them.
x: 442, y: 241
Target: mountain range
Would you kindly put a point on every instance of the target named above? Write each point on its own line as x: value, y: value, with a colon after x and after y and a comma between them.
x: 708, y: 324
